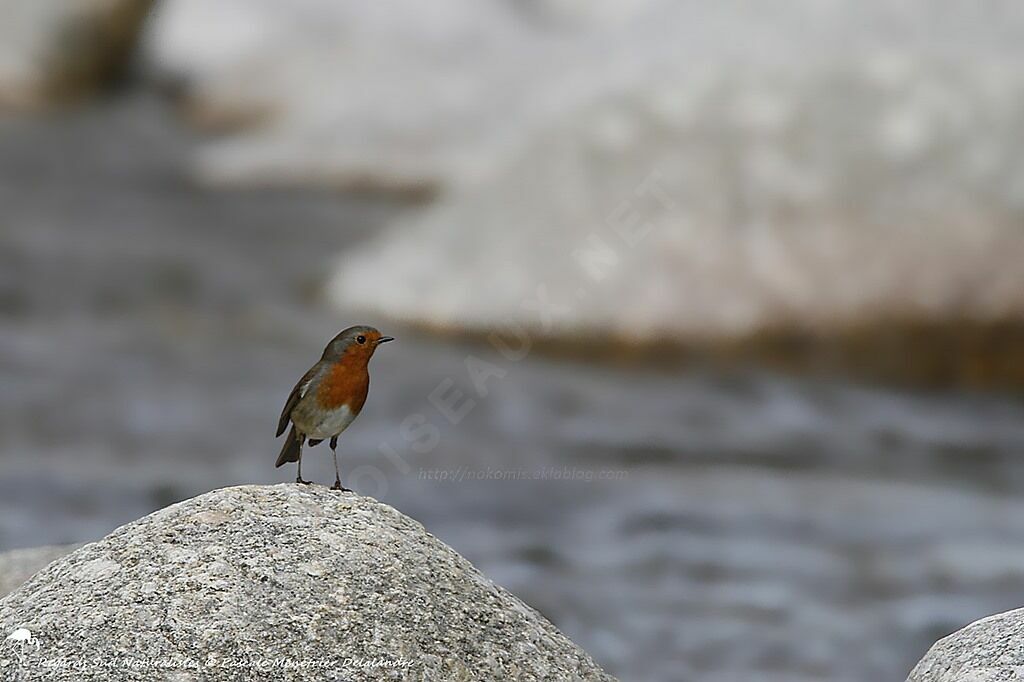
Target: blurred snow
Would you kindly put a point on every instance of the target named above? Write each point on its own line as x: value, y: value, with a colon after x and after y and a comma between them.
x: 400, y: 94
x: 684, y: 207
x: 392, y: 94
x: 786, y: 163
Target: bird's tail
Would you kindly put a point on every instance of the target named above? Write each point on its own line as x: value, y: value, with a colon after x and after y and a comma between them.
x: 292, y: 447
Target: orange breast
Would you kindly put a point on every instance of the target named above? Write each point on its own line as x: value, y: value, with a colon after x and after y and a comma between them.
x: 347, y: 384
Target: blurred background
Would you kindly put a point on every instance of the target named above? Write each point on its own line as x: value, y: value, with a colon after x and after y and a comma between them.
x: 710, y: 316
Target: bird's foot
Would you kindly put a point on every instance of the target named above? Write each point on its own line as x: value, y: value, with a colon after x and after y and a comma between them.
x: 299, y: 479
x: 337, y: 486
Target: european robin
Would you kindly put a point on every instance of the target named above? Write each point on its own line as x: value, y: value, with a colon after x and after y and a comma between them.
x: 329, y: 396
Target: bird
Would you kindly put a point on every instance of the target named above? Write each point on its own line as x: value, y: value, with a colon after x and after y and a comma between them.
x: 329, y: 396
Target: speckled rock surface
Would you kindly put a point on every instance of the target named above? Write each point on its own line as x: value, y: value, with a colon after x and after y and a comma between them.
x: 987, y: 650
x: 281, y: 582
x: 18, y: 565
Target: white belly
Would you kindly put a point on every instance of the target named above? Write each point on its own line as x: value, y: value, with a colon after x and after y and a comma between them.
x: 323, y: 424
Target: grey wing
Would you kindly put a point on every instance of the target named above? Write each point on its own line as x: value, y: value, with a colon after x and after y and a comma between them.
x: 294, y: 397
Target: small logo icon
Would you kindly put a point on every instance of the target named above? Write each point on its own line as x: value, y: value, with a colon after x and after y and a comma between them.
x: 22, y: 638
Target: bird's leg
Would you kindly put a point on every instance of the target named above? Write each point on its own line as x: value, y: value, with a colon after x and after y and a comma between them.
x: 337, y: 474
x: 298, y: 478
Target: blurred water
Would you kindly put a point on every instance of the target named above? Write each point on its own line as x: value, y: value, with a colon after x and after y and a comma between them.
x: 755, y: 527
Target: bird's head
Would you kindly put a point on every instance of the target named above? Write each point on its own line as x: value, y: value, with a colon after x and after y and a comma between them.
x: 355, y: 344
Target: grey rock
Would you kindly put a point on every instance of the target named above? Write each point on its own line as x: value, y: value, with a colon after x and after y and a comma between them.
x: 987, y: 650
x: 17, y: 566
x: 281, y: 582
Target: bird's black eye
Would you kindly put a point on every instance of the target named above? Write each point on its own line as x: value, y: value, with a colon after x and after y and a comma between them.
x: 361, y: 339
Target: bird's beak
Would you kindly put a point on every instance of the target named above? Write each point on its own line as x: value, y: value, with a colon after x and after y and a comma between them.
x: 385, y: 339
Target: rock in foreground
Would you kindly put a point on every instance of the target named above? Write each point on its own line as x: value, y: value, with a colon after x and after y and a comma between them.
x: 272, y: 583
x: 989, y: 649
